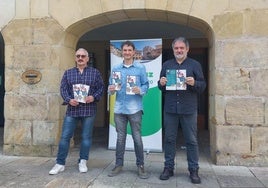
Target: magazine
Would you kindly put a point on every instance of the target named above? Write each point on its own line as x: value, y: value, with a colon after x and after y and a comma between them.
x: 176, y: 79
x: 131, y: 82
x: 80, y: 92
x: 116, y: 80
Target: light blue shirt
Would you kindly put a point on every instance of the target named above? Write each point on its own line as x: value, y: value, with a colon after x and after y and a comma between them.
x: 125, y: 103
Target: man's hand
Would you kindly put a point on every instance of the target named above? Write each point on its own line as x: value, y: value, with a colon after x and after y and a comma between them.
x: 89, y: 99
x: 190, y: 81
x: 136, y: 90
x: 163, y: 81
x: 111, y: 88
x: 73, y: 102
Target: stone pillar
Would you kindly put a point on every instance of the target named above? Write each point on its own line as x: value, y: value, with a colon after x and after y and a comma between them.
x: 240, y: 125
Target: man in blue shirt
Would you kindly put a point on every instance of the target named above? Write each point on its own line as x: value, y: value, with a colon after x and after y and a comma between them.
x: 128, y: 107
x: 81, y: 88
x: 181, y: 108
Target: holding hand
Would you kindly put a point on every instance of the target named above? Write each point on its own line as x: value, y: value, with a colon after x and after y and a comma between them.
x: 190, y: 81
x: 111, y: 88
x: 73, y: 102
x: 89, y: 99
x: 136, y: 90
x: 163, y: 81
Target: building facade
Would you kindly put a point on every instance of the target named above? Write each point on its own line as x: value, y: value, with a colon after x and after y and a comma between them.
x: 42, y: 35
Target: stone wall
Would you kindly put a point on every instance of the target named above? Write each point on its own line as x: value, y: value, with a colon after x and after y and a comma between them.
x: 42, y: 35
x: 32, y: 111
x: 240, y: 91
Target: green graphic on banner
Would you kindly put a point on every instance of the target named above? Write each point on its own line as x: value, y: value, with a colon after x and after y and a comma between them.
x: 152, y: 118
x: 152, y: 105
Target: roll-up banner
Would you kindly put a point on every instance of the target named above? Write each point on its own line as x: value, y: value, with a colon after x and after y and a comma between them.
x: 149, y: 53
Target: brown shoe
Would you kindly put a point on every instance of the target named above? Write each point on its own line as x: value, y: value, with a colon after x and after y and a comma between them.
x: 141, y: 172
x: 116, y: 170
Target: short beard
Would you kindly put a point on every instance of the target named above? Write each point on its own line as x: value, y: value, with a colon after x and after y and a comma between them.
x: 179, y: 57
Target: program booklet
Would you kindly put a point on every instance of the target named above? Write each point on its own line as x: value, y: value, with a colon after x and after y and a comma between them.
x: 116, y: 79
x: 131, y: 82
x: 80, y: 92
x: 176, y: 79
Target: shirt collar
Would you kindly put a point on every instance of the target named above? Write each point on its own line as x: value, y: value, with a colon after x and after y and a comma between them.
x: 127, y: 66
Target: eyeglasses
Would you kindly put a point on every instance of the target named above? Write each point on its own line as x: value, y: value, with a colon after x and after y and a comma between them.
x: 82, y: 56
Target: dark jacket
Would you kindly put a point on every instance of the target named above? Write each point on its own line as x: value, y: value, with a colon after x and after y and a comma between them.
x: 183, y: 101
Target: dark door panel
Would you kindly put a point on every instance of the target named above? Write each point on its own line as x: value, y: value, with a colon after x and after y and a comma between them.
x: 2, y: 81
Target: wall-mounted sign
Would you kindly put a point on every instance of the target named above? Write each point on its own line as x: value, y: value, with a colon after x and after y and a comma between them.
x: 31, y: 76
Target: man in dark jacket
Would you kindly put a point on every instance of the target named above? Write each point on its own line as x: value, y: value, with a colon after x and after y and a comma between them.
x: 180, y: 107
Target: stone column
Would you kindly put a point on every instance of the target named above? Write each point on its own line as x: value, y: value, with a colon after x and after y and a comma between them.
x: 240, y: 119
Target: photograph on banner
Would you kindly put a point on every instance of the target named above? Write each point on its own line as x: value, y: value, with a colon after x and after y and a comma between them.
x: 149, y: 53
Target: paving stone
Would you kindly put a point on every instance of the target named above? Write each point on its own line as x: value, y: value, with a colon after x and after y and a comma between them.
x: 32, y: 172
x: 239, y: 181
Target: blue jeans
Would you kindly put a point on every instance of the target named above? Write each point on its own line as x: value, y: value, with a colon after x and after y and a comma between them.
x: 188, y: 124
x: 68, y: 128
x: 121, y: 121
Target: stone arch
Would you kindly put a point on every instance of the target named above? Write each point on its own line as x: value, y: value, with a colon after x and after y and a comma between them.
x: 55, y: 45
x: 43, y: 35
x: 82, y: 26
x: 79, y: 28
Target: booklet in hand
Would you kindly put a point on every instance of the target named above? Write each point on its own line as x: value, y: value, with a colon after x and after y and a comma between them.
x: 80, y: 92
x: 176, y: 79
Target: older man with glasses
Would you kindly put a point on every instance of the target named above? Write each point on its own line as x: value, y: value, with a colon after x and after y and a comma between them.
x: 81, y: 88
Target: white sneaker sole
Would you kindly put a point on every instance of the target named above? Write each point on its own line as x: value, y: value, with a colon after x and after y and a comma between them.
x: 54, y: 173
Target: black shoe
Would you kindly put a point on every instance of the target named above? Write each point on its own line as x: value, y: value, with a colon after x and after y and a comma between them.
x: 195, y: 179
x: 166, y: 174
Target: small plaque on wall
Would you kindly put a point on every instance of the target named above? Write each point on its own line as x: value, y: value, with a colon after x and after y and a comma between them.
x: 31, y: 76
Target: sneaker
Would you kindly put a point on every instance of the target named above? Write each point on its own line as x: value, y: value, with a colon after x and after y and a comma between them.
x: 195, y: 179
x: 82, y: 166
x: 116, y: 170
x: 141, y: 173
x: 57, y: 169
x: 166, y: 174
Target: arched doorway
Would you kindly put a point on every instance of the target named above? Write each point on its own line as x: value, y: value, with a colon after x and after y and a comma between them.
x: 97, y: 41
